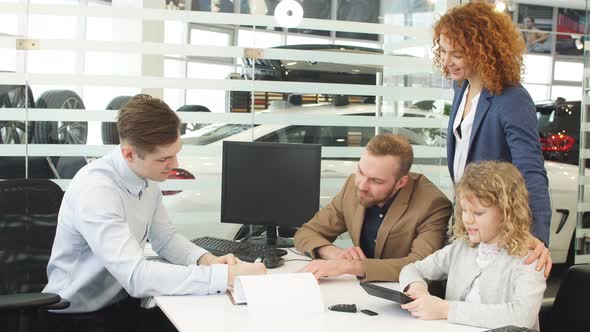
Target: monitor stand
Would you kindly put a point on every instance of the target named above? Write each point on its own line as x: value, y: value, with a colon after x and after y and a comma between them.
x: 272, y: 240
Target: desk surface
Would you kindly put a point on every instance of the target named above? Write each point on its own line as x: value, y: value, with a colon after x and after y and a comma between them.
x: 217, y: 313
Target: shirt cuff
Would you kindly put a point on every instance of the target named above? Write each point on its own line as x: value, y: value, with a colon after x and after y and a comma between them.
x: 407, y: 283
x: 315, y: 253
x: 218, y: 279
x: 195, y: 255
x: 452, y: 315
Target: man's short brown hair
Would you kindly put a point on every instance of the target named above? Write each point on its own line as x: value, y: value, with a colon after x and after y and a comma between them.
x: 146, y: 123
x: 393, y: 145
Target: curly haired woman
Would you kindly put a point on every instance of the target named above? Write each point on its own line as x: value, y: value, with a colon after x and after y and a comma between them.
x: 488, y: 285
x: 493, y: 117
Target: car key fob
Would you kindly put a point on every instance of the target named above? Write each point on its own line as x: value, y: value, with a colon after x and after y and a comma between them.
x: 343, y: 307
x: 369, y: 312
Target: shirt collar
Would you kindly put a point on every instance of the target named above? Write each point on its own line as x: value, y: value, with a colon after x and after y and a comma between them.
x: 134, y: 184
x: 387, y: 204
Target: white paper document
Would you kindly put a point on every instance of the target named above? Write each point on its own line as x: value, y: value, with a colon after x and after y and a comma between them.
x: 289, y: 292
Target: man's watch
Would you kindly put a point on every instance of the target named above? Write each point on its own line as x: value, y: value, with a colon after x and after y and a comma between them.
x: 316, y: 253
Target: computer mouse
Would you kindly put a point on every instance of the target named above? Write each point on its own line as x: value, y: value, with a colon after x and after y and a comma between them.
x: 272, y: 262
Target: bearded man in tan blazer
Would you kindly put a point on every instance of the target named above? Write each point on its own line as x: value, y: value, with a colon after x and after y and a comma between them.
x: 394, y: 217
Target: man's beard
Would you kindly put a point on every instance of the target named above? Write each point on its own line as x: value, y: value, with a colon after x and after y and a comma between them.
x: 370, y: 201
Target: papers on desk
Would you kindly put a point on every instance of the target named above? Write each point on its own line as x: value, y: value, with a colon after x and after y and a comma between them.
x: 286, y: 292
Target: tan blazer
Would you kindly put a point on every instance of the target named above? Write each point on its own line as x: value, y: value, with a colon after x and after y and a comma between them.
x: 414, y: 226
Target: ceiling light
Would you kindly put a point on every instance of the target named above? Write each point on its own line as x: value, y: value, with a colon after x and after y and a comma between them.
x: 288, y: 13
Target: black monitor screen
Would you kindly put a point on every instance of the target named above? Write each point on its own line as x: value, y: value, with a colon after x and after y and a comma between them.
x: 270, y: 184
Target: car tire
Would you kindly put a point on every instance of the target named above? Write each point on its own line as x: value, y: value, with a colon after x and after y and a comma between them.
x: 296, y: 100
x: 62, y: 132
x: 239, y: 101
x: 426, y: 105
x: 67, y: 167
x: 192, y: 126
x: 340, y: 100
x: 108, y: 130
x: 571, y: 252
x: 16, y: 96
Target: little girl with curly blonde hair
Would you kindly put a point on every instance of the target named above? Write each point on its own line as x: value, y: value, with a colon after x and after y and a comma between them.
x: 488, y: 284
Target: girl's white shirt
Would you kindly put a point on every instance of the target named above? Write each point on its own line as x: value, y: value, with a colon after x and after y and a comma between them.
x: 485, y: 254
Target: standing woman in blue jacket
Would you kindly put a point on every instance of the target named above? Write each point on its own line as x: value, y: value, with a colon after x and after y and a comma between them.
x: 493, y: 117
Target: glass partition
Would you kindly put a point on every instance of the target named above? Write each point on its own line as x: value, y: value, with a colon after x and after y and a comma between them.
x: 232, y: 73
x: 579, y: 114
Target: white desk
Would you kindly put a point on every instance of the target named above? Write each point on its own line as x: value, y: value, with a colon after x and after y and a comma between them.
x: 217, y: 313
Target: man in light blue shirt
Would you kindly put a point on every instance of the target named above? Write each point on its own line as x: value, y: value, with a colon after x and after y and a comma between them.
x: 110, y: 209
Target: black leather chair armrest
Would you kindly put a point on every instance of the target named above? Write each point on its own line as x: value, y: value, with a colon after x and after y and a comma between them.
x: 546, y: 307
x: 545, y: 311
x: 62, y: 304
x: 27, y: 300
x: 437, y: 288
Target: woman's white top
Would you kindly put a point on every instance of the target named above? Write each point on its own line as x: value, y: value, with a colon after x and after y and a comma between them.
x: 485, y: 254
x: 462, y: 141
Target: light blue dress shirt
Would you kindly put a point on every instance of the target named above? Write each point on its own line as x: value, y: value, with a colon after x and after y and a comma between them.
x: 106, y: 216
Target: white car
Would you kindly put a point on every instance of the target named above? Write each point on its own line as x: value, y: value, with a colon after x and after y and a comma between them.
x: 204, y: 200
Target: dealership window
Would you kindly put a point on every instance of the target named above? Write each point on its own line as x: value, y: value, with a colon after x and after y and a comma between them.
x: 119, y: 70
x: 295, y: 39
x: 354, y: 42
x: 175, y: 67
x: 536, y: 24
x: 569, y: 93
x: 568, y: 71
x: 202, y: 68
x: 174, y: 32
x: 201, y: 35
x: 8, y: 62
x: 537, y: 69
x: 8, y: 24
x: 537, y: 76
x: 43, y: 26
x: 214, y: 100
x: 259, y: 38
x: 99, y: 28
x: 538, y: 92
x: 570, y: 28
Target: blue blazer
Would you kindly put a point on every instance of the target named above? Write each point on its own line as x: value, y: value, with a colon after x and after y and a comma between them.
x: 505, y: 129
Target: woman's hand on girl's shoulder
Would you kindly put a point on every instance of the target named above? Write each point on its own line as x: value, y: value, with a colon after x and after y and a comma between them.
x: 540, y: 252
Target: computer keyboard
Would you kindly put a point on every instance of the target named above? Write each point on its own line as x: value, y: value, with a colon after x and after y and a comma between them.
x: 511, y: 328
x: 243, y: 250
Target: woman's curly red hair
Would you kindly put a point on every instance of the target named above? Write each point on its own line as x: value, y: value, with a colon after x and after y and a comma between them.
x: 489, y: 41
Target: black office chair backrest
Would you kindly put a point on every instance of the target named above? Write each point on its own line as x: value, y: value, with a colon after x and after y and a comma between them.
x: 28, y: 219
x: 570, y: 309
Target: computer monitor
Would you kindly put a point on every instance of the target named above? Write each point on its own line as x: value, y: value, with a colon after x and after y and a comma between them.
x: 271, y: 184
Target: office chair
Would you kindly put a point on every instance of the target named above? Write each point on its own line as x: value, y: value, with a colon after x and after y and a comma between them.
x: 569, y: 310
x: 28, y: 220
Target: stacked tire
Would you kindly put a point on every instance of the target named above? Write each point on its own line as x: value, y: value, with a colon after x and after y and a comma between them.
x: 60, y: 132
x: 192, y: 126
x: 16, y: 96
x: 108, y: 130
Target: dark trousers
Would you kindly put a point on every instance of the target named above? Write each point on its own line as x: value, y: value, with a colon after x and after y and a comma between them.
x: 123, y: 316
